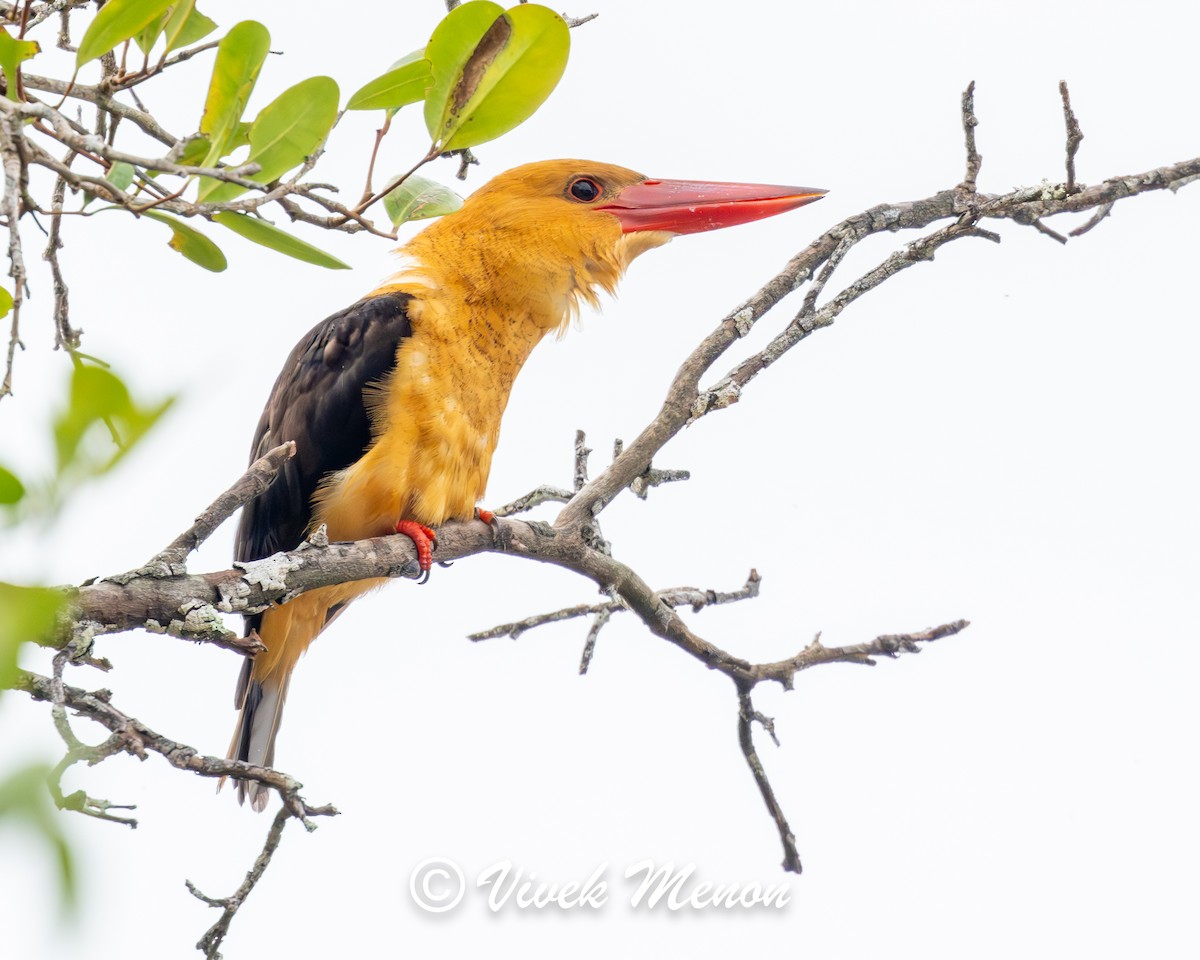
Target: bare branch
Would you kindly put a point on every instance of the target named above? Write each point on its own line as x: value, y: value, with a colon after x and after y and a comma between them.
x: 1052, y: 234
x: 746, y: 716
x: 11, y: 138
x: 582, y: 452
x: 104, y: 101
x: 128, y: 81
x: 253, y: 483
x: 66, y: 337
x: 889, y: 645
x: 136, y: 739
x: 535, y: 497
x: 210, y: 943
x: 1096, y: 217
x: 1074, y: 134
x: 589, y: 646
x: 970, y: 122
x: 675, y: 597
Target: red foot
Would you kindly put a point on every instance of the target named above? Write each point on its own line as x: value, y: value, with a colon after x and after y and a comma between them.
x: 424, y: 539
x: 485, y: 515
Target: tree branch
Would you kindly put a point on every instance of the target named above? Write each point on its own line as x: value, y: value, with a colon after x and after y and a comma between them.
x: 135, y: 738
x: 210, y: 943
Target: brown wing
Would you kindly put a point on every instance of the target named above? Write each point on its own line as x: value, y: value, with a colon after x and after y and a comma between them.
x: 318, y: 402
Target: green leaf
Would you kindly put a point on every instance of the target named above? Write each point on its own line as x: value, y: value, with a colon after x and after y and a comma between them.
x: 27, y: 615
x: 150, y: 33
x: 239, y: 138
x: 397, y: 88
x: 185, y: 25
x: 509, y: 74
x: 117, y: 21
x: 240, y: 57
x: 284, y: 134
x: 6, y: 303
x: 24, y: 794
x: 11, y: 487
x: 419, y: 199
x: 196, y: 150
x: 182, y: 25
x: 450, y: 47
x: 98, y: 396
x: 120, y: 174
x: 191, y: 242
x: 12, y: 54
x: 268, y: 235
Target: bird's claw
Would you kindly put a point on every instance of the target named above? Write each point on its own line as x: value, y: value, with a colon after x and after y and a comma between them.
x: 425, y: 540
x: 488, y: 517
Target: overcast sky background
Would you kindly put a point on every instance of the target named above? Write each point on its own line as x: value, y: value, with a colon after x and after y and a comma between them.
x: 1006, y: 434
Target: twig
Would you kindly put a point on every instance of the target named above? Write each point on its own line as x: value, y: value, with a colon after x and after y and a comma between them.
x: 94, y: 145
x: 589, y: 647
x: 66, y: 337
x: 728, y: 390
x: 365, y: 204
x: 970, y: 122
x: 746, y: 716
x: 171, y: 560
x: 535, y: 497
x: 132, y: 80
x: 135, y: 738
x: 818, y: 285
x: 1052, y: 234
x: 1096, y: 217
x: 11, y: 139
x: 210, y: 943
x: 675, y: 597
x: 379, y: 135
x: 654, y: 477
x: 466, y: 160
x: 889, y: 645
x: 1074, y: 134
x: 582, y: 452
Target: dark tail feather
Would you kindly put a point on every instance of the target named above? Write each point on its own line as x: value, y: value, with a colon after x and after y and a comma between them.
x: 261, y: 703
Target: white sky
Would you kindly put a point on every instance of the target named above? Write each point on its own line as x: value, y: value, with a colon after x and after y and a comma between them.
x: 1005, y: 435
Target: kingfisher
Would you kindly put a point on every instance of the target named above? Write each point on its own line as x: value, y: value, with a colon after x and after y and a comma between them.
x: 395, y: 402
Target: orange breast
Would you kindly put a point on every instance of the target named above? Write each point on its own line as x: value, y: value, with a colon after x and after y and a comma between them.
x: 438, y: 422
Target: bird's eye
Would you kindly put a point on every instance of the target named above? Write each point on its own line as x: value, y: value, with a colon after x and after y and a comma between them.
x: 585, y: 189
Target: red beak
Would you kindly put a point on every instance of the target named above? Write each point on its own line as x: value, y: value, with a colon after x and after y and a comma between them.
x: 691, y: 206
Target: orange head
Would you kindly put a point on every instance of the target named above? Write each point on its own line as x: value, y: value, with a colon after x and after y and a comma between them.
x: 557, y: 230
